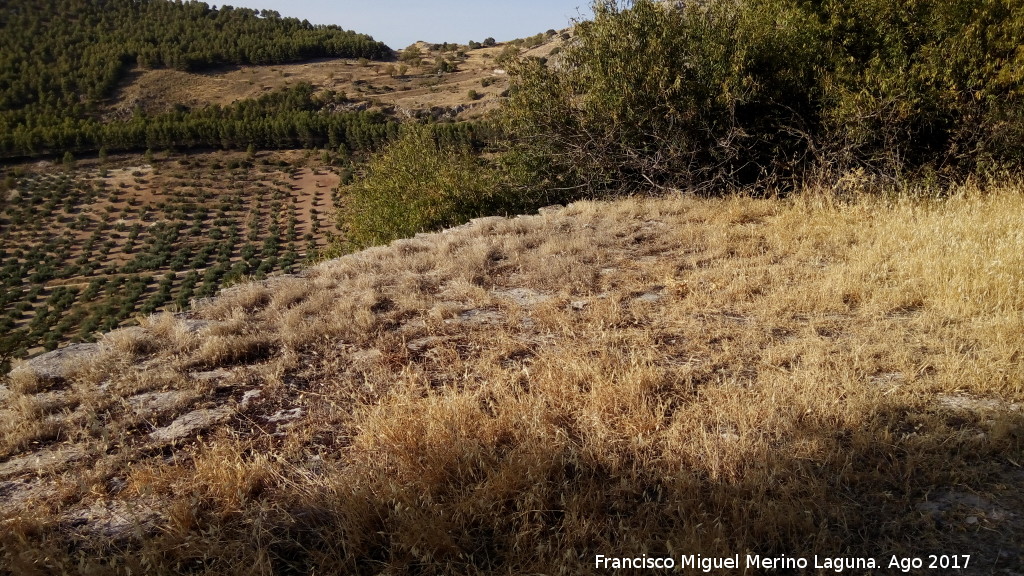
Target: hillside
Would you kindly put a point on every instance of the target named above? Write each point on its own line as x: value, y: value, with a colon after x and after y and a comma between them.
x: 91, y: 246
x: 60, y: 59
x: 128, y: 210
x: 662, y: 376
x: 406, y: 87
x: 779, y: 316
x: 132, y: 76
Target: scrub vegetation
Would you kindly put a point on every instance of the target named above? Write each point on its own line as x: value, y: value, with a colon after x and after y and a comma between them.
x: 717, y: 278
x: 661, y: 376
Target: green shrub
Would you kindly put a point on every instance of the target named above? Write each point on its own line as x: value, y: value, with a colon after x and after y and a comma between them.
x: 508, y: 55
x: 654, y: 96
x: 444, y: 66
x: 415, y: 185
x: 930, y: 84
x: 768, y: 92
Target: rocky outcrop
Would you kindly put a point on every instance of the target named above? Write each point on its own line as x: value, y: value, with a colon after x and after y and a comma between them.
x: 52, y: 368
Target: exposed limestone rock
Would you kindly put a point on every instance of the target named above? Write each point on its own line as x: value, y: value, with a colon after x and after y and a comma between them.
x: 287, y: 415
x: 478, y: 316
x: 194, y: 326
x: 52, y: 368
x: 522, y: 296
x: 651, y: 296
x: 41, y: 462
x: 115, y: 521
x: 15, y: 494
x: 964, y: 403
x: 154, y: 403
x: 249, y: 398
x: 189, y: 424
x: 211, y: 375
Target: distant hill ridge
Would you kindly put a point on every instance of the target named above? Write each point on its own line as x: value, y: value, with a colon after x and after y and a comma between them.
x: 60, y: 58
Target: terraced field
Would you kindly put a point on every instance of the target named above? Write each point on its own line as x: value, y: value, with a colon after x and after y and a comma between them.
x: 88, y: 247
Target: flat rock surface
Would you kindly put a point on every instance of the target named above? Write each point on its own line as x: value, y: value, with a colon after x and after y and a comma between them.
x: 42, y: 461
x: 211, y: 375
x: 249, y: 398
x: 478, y: 316
x: 188, y: 424
x: 115, y: 520
x: 153, y: 403
x: 15, y: 494
x: 965, y: 403
x: 56, y: 366
x: 286, y: 415
x: 522, y: 296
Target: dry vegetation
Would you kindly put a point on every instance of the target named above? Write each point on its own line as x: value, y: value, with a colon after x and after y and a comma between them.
x: 406, y: 86
x: 660, y: 376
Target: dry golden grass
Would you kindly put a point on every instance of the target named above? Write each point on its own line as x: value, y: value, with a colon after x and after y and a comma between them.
x: 682, y: 376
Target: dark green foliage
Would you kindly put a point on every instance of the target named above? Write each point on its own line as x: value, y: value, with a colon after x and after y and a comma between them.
x: 414, y: 185
x: 928, y: 83
x: 444, y: 66
x: 289, y: 118
x: 60, y: 58
x: 768, y: 92
x: 508, y: 54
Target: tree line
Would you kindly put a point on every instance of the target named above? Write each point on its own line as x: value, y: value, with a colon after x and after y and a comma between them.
x: 293, y: 117
x: 60, y: 58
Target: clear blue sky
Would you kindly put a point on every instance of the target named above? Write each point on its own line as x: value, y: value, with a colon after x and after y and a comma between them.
x: 399, y: 23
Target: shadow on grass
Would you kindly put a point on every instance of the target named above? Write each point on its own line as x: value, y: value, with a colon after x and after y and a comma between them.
x: 912, y: 483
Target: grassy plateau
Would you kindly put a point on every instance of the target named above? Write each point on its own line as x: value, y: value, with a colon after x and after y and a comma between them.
x: 802, y: 376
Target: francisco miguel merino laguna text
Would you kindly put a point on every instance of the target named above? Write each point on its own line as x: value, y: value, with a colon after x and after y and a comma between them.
x: 709, y: 563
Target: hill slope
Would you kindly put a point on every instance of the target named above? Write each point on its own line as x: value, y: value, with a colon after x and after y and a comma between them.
x: 60, y: 58
x: 669, y: 377
x: 412, y: 86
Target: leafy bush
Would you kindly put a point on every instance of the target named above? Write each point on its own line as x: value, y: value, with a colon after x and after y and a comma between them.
x: 508, y: 55
x: 415, y: 185
x: 930, y: 84
x: 767, y: 92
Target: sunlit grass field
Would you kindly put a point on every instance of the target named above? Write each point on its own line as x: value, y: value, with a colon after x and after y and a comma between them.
x: 821, y: 374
